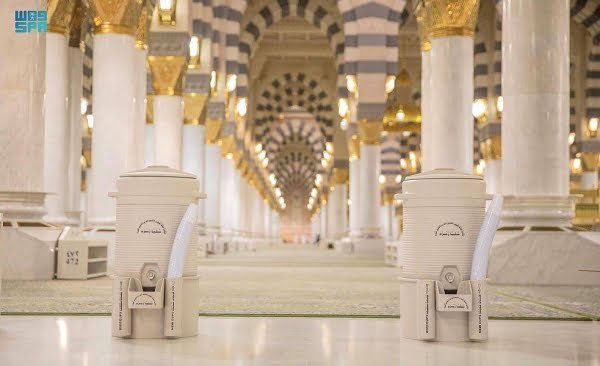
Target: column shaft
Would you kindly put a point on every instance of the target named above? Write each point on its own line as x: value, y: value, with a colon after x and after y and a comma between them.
x: 113, y: 103
x: 426, y: 111
x: 370, y: 169
x: 139, y: 146
x: 73, y: 205
x: 56, y: 129
x: 451, y: 128
x: 168, y: 129
x: 535, y: 88
x: 213, y: 188
x: 354, y: 186
x: 193, y: 152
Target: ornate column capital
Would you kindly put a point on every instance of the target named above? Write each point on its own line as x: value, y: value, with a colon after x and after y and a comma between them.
x: 370, y: 132
x: 212, y: 130
x: 60, y: 13
x: 589, y: 161
x: 116, y: 16
x: 193, y: 108
x: 491, y: 148
x: 340, y: 175
x: 451, y: 17
x: 423, y: 26
x: 149, y: 109
x: 227, y: 145
x: 77, y: 22
x: 167, y: 74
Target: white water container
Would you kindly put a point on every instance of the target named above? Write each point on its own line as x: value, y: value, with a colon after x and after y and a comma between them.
x: 150, y: 205
x: 443, y: 211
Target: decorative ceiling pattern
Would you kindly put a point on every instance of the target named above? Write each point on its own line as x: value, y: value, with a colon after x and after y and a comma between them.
x: 293, y: 93
x: 261, y: 15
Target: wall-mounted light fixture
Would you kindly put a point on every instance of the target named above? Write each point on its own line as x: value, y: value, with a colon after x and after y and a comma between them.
x: 479, y: 110
x: 592, y: 126
x: 166, y: 12
x: 390, y: 83
x: 351, y: 84
x: 194, y: 53
x: 213, y: 82
x: 499, y: 106
x: 241, y: 107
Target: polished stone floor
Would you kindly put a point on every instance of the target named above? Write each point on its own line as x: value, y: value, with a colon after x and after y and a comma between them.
x: 297, y: 280
x: 86, y: 340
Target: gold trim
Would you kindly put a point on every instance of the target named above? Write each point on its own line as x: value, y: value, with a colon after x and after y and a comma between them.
x: 212, y: 130
x: 115, y: 16
x: 340, y: 175
x: 59, y: 16
x: 193, y: 107
x: 167, y: 74
x: 491, y: 148
x: 423, y: 27
x: 149, y: 109
x: 227, y: 145
x: 451, y: 17
x: 143, y: 25
x: 77, y: 19
x: 589, y: 161
x: 370, y: 132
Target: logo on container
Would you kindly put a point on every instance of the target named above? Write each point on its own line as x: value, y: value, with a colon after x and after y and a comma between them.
x: 27, y: 21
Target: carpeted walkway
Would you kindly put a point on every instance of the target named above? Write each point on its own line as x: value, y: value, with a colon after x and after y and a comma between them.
x: 297, y: 281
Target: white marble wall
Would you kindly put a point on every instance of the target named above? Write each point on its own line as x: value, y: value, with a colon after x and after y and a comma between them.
x: 21, y: 103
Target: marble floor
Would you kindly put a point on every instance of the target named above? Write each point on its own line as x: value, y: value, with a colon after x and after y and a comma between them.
x: 86, y: 340
x: 297, y: 281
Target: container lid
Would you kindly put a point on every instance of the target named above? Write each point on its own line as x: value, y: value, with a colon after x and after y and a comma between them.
x: 159, y: 171
x: 443, y: 173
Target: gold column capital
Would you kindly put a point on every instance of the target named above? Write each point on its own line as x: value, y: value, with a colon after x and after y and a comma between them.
x: 77, y: 20
x: 354, y: 147
x: 227, y: 145
x: 387, y: 198
x: 212, y: 130
x: 59, y: 15
x: 451, y: 17
x: 116, y: 16
x: 143, y: 25
x: 423, y: 27
x: 193, y: 107
x: 370, y: 131
x: 491, y: 148
x: 341, y: 175
x: 167, y: 74
x: 589, y: 161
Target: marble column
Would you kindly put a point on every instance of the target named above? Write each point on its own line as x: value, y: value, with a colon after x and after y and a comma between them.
x: 354, y: 180
x: 113, y: 102
x: 193, y: 143
x: 21, y: 117
x: 339, y: 202
x: 149, y: 143
x: 212, y: 180
x: 56, y: 114
x: 370, y: 168
x: 535, y: 88
x: 73, y: 202
x: 138, y: 149
x: 323, y: 224
x: 451, y: 94
x: 167, y: 82
x: 426, y: 87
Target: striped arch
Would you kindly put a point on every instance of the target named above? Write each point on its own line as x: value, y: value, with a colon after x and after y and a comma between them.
x: 295, y: 131
x: 293, y: 91
x: 269, y: 12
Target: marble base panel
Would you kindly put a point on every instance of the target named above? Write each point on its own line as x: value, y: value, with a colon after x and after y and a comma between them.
x: 545, y: 258
x: 344, y: 245
x: 106, y: 233
x: 28, y: 253
x: 370, y: 248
